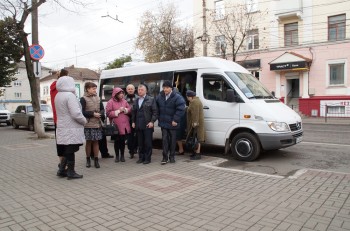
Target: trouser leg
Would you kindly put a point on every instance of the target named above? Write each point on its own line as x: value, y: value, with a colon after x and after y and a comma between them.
x: 165, y: 140
x: 148, y: 138
x: 172, y: 141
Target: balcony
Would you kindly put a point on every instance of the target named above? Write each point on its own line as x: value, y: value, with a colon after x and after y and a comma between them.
x: 286, y: 9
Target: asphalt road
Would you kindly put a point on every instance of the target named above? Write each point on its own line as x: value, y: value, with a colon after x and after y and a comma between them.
x: 324, y: 147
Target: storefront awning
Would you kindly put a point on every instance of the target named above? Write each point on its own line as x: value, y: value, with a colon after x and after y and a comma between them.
x: 290, y: 61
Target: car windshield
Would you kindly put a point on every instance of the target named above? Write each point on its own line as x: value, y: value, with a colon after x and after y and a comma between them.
x: 2, y: 107
x: 250, y: 86
x: 45, y: 108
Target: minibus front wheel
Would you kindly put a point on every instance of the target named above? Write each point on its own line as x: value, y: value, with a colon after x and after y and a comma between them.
x: 245, y: 146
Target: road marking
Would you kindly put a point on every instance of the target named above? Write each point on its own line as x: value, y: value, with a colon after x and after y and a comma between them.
x: 330, y: 144
x: 213, y: 165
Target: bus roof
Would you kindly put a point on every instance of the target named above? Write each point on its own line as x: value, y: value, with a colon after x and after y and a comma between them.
x: 175, y: 65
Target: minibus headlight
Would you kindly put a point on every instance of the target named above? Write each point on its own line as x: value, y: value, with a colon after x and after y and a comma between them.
x: 278, y: 126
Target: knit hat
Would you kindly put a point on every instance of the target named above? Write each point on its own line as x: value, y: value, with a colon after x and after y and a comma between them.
x: 167, y: 83
x: 190, y: 93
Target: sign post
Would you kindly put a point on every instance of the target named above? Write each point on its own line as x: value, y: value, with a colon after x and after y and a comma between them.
x: 36, y: 53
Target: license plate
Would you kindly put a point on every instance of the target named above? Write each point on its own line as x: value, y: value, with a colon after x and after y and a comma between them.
x: 298, y: 139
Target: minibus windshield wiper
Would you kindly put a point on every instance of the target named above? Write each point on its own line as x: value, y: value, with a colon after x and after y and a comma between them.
x: 262, y: 97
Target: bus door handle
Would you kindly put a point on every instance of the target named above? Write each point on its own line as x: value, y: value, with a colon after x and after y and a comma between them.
x: 206, y: 107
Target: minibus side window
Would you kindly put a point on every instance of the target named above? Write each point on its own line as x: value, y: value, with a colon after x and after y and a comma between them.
x: 214, y: 87
x: 185, y: 81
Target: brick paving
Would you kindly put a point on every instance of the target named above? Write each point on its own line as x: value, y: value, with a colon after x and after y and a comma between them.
x: 187, y: 195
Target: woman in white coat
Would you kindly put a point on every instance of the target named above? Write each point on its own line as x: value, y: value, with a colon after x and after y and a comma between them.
x: 70, y: 125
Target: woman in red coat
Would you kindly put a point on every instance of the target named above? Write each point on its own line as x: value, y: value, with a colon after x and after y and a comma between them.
x: 117, y: 110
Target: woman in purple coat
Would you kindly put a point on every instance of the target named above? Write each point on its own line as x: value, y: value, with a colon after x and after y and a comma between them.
x: 117, y: 110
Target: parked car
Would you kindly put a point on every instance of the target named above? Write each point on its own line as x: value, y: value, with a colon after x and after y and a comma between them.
x: 24, y: 116
x: 4, y: 115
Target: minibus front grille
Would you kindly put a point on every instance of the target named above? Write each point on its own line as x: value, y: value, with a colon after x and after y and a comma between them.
x: 297, y: 135
x: 295, y: 127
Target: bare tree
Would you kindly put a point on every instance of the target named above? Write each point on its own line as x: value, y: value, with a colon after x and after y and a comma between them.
x: 161, y: 36
x: 19, y: 10
x: 232, y: 27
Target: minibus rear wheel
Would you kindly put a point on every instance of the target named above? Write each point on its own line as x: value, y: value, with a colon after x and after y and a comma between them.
x: 245, y: 146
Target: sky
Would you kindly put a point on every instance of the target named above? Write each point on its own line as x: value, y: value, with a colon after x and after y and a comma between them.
x: 86, y: 39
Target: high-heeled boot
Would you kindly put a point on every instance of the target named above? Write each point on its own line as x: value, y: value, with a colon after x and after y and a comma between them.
x: 88, y: 162
x: 62, y: 168
x: 122, y: 159
x: 97, y: 165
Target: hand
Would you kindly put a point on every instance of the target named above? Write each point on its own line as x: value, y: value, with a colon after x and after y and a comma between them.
x: 97, y: 115
x: 116, y: 112
x: 122, y: 109
x: 150, y: 125
x: 133, y: 125
x: 174, y: 124
x: 195, y: 125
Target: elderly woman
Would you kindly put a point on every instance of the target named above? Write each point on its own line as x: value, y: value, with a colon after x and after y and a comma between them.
x: 118, y: 111
x: 195, y: 122
x: 70, y: 125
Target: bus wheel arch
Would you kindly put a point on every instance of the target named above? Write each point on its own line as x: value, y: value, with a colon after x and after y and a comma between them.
x: 244, y: 145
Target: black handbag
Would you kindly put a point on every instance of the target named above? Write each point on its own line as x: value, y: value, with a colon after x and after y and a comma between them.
x: 192, y: 140
x: 109, y: 129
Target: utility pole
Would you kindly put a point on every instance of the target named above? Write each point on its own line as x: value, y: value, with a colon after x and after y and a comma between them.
x: 205, y: 35
x: 35, y: 39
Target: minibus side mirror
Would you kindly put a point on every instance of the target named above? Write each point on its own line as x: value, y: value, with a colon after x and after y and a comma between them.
x: 231, y: 96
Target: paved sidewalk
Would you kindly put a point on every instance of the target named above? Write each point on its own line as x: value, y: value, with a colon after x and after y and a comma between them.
x: 181, y: 196
x: 322, y: 120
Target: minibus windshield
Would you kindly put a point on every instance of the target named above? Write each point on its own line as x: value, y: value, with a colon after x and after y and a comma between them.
x: 249, y: 85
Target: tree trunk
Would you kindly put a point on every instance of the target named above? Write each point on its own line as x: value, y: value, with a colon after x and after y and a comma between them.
x: 38, y: 123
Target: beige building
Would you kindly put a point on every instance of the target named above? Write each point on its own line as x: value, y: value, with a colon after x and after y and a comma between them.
x: 80, y: 75
x: 298, y: 49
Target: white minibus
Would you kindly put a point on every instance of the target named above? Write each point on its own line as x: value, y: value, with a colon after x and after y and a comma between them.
x: 239, y: 112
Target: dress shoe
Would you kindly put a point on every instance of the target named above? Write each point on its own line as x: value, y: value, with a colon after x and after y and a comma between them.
x: 146, y: 162
x: 164, y: 161
x: 139, y: 161
x: 172, y: 160
x: 107, y: 156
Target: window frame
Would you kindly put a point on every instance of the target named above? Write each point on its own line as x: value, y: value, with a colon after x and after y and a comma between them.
x: 328, y: 72
x: 222, y: 40
x: 251, y: 36
x: 337, y: 26
x: 290, y: 32
x: 219, y: 9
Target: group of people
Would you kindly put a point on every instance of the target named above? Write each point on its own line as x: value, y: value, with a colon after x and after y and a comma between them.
x: 132, y: 114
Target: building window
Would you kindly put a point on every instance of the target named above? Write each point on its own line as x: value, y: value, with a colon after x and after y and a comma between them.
x: 219, y: 10
x: 251, y: 5
x: 253, y: 39
x: 220, y: 44
x: 335, y: 109
x: 18, y: 95
x: 336, y: 74
x: 46, y: 90
x: 17, y: 83
x: 336, y: 27
x: 291, y: 34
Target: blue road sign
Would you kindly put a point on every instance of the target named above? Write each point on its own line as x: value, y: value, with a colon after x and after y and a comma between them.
x: 36, y: 52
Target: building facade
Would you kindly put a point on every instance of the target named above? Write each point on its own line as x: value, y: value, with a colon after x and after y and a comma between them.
x: 80, y: 75
x: 18, y: 92
x: 299, y: 49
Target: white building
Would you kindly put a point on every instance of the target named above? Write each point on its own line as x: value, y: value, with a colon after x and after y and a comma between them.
x: 18, y: 92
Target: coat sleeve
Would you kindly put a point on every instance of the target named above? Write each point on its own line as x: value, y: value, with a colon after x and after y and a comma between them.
x: 195, y: 113
x: 154, y: 111
x: 180, y: 105
x: 75, y: 109
x: 102, y: 112
x: 87, y: 114
x: 109, y: 109
x: 134, y: 111
x: 127, y: 106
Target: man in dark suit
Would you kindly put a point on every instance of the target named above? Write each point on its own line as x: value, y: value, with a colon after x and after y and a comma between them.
x: 144, y: 114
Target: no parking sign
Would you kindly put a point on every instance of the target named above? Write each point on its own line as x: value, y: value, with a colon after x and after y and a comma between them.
x: 36, y: 52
